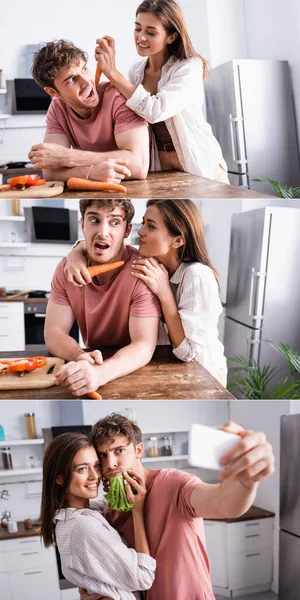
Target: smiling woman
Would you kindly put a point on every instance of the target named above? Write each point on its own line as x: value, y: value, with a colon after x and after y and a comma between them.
x: 92, y: 553
x: 166, y: 89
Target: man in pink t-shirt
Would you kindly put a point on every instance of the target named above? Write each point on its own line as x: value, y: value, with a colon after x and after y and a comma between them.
x: 114, y: 310
x: 90, y: 132
x: 177, y: 502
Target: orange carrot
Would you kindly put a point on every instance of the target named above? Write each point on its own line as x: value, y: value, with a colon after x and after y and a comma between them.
x: 97, y: 75
x: 76, y: 183
x: 95, y: 395
x: 98, y: 269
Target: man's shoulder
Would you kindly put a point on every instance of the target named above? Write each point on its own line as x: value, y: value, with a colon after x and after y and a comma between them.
x: 58, y: 106
x: 166, y: 476
x: 108, y: 91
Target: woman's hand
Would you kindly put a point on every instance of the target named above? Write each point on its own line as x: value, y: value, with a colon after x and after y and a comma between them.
x: 138, y: 482
x: 154, y: 274
x: 75, y: 268
x: 105, y: 55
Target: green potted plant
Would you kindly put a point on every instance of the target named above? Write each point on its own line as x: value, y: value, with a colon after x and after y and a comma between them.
x: 257, y: 383
x: 283, y: 191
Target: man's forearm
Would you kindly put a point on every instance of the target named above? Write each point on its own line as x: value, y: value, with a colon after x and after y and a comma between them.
x: 62, y: 345
x: 77, y: 163
x: 126, y: 360
x: 235, y: 497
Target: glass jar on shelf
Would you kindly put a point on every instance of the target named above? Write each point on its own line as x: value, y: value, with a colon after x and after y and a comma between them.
x: 30, y: 426
x: 152, y: 447
x: 166, y: 445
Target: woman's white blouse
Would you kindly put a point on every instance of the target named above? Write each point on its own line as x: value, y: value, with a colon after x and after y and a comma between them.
x: 94, y: 557
x: 197, y: 297
x: 179, y: 102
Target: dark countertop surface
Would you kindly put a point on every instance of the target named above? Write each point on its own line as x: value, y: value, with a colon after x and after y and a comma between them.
x: 22, y: 299
x: 253, y: 513
x: 21, y: 533
x: 164, y: 378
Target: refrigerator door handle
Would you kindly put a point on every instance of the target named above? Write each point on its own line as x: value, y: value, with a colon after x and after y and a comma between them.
x: 255, y: 276
x: 234, y: 135
x: 232, y: 120
x: 252, y: 348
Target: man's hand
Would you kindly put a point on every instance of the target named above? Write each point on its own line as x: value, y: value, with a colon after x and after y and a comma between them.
x: 49, y: 156
x: 112, y: 170
x: 94, y: 357
x: 79, y: 377
x: 251, y: 460
x: 85, y: 596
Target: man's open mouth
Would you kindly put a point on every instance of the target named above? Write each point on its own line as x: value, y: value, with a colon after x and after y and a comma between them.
x: 101, y: 246
x: 88, y: 94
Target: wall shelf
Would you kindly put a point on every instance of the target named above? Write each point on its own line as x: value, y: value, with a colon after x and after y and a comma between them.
x: 4, y: 473
x: 3, y: 90
x: 13, y: 245
x: 25, y: 442
x: 172, y: 457
x: 3, y: 116
x: 11, y: 218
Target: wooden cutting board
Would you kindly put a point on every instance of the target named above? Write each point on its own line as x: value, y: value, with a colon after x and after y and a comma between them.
x: 51, y: 188
x: 40, y: 378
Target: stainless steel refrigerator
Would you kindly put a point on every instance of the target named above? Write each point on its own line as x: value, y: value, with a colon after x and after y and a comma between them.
x: 289, y: 540
x: 250, y: 107
x: 263, y: 286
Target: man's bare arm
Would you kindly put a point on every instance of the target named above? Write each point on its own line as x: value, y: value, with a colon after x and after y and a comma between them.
x: 81, y: 377
x: 59, y: 320
x: 60, y: 162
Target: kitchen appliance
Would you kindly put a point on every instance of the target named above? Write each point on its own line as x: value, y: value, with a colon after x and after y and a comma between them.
x: 57, y: 225
x: 250, y: 108
x: 25, y: 96
x: 263, y: 287
x: 34, y: 316
x: 289, y: 536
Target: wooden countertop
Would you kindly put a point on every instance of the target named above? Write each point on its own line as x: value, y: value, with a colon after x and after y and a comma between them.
x: 25, y: 300
x: 171, y: 184
x: 252, y: 514
x: 164, y: 378
x: 21, y: 533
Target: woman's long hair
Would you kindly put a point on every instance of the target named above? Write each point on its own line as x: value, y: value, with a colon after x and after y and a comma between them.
x: 58, y: 465
x: 182, y: 217
x: 171, y: 17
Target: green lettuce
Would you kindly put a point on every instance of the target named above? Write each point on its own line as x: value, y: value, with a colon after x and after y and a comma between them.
x: 116, y: 497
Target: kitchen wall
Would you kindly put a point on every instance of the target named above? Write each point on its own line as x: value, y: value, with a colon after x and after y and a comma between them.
x: 273, y: 32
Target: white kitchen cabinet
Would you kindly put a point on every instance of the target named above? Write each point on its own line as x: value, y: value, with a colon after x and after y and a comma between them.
x: 5, y: 593
x: 12, y: 326
x: 29, y: 570
x: 240, y: 554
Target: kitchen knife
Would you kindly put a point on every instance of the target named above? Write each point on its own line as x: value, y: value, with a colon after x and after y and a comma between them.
x: 208, y: 445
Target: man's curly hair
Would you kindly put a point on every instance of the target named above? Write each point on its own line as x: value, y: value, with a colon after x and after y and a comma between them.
x: 51, y: 57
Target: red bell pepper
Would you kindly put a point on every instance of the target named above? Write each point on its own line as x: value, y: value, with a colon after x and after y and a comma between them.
x: 23, y: 181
